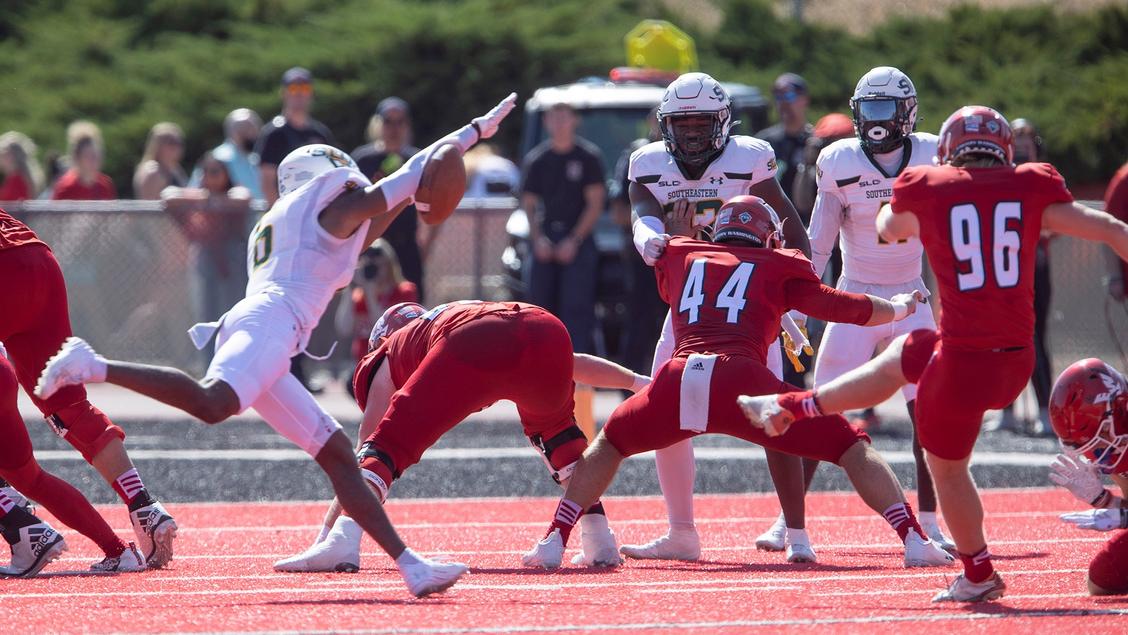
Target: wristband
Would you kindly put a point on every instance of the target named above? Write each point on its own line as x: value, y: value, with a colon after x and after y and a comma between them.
x: 900, y: 311
x: 645, y: 228
x: 1102, y: 500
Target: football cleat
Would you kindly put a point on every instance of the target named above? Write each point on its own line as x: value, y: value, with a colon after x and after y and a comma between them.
x: 129, y: 561
x: 599, y: 546
x: 548, y: 553
x: 764, y: 412
x: 775, y: 538
x: 799, y: 547
x: 921, y: 552
x: 37, y: 546
x: 937, y: 536
x: 155, y: 530
x: 961, y: 590
x: 75, y: 363
x: 424, y: 577
x: 338, y: 551
x: 678, y: 544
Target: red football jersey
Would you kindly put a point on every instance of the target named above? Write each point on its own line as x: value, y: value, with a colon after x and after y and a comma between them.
x: 980, y: 229
x: 729, y: 300
x: 406, y: 348
x: 13, y: 233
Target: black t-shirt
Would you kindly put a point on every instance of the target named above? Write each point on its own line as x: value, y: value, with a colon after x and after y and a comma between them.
x: 559, y: 180
x: 278, y: 138
x: 401, y: 234
x: 788, y: 150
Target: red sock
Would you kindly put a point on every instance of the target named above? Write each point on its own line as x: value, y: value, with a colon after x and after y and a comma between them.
x: 977, y: 567
x: 6, y: 504
x: 567, y: 513
x: 803, y: 404
x: 129, y: 487
x: 902, y: 518
x: 70, y: 507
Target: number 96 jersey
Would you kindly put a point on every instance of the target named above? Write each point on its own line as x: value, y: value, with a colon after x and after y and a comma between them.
x: 744, y: 162
x: 290, y: 254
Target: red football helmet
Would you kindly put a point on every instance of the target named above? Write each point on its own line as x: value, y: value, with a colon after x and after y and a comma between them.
x: 1089, y: 412
x: 976, y: 130
x: 747, y: 218
x: 396, y: 317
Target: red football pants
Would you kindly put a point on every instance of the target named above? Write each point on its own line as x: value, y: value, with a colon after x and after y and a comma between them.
x: 956, y: 387
x: 523, y: 355
x: 652, y: 419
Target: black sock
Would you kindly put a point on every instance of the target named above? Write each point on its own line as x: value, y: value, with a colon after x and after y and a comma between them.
x: 141, y: 500
x: 597, y: 508
x: 14, y: 521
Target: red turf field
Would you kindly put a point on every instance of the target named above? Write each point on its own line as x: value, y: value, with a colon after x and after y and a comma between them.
x: 221, y: 579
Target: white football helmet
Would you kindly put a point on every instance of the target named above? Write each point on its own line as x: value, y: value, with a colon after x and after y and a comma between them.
x: 885, y: 109
x: 301, y: 165
x: 692, y: 95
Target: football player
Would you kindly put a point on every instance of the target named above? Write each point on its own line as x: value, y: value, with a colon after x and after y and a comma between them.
x: 298, y: 255
x: 727, y: 298
x: 1089, y: 413
x: 855, y: 178
x: 676, y: 186
x: 426, y: 371
x: 979, y: 217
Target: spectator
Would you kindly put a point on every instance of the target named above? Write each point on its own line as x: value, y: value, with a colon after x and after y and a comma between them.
x: 1116, y: 203
x: 160, y: 165
x: 389, y: 136
x: 377, y: 284
x: 290, y: 130
x: 84, y: 180
x: 829, y: 129
x: 789, y: 137
x: 489, y: 174
x: 22, y: 176
x: 237, y: 152
x: 214, y: 219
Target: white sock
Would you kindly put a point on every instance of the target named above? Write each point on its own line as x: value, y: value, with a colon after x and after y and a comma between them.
x: 676, y: 473
x: 797, y: 537
x: 594, y: 524
x: 928, y: 519
x: 407, y: 558
x: 347, y: 526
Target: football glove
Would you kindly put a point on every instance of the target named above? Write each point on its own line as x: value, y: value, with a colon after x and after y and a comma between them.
x: 1098, y: 519
x: 795, y: 341
x: 1079, y: 477
x: 487, y: 124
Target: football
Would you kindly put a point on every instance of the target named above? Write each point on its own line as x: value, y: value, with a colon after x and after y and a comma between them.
x: 442, y: 185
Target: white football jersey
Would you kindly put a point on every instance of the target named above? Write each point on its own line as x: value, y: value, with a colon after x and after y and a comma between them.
x: 744, y: 162
x: 857, y: 188
x: 289, y: 253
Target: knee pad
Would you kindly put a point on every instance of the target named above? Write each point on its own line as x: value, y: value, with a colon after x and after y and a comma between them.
x: 561, y: 452
x: 377, y: 468
x: 85, y: 427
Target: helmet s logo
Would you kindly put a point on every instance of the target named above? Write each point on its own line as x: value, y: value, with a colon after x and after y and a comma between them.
x: 904, y: 86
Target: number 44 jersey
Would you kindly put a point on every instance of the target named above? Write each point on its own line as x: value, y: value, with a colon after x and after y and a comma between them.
x: 980, y: 229
x: 290, y: 254
x: 744, y: 162
x: 728, y: 300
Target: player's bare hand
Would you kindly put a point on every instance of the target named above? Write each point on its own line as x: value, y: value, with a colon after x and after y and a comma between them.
x: 543, y: 249
x: 488, y: 123
x: 654, y: 248
x: 681, y: 218
x: 566, y: 250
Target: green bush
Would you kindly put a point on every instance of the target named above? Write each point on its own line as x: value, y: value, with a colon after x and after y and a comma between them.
x: 127, y: 65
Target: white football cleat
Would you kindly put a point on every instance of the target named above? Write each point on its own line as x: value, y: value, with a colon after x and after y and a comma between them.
x: 937, y: 536
x: 598, y: 541
x: 548, y: 553
x: 678, y: 544
x: 961, y: 590
x: 129, y: 561
x: 38, y: 545
x: 765, y: 412
x: 775, y: 538
x: 155, y: 530
x: 338, y: 551
x: 924, y: 553
x: 424, y: 577
x: 75, y: 363
x: 799, y: 547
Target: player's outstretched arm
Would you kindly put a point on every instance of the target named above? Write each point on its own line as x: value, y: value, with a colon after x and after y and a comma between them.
x: 794, y: 233
x: 1075, y: 219
x: 601, y: 373
x: 832, y: 305
x: 349, y: 211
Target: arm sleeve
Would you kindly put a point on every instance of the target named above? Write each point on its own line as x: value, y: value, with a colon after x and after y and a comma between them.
x: 820, y: 301
x: 826, y: 217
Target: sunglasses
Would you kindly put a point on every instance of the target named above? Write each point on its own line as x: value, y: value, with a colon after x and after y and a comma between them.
x: 299, y: 89
x: 787, y: 95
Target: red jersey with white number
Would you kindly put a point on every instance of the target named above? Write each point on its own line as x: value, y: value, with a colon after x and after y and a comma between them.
x: 407, y: 346
x: 13, y: 233
x: 980, y: 229
x: 728, y: 300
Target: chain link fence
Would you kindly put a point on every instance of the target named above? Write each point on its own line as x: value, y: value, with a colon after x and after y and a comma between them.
x: 132, y: 274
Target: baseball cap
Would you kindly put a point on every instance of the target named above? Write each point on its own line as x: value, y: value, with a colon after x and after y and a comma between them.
x: 389, y: 104
x: 297, y: 75
x: 789, y: 86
